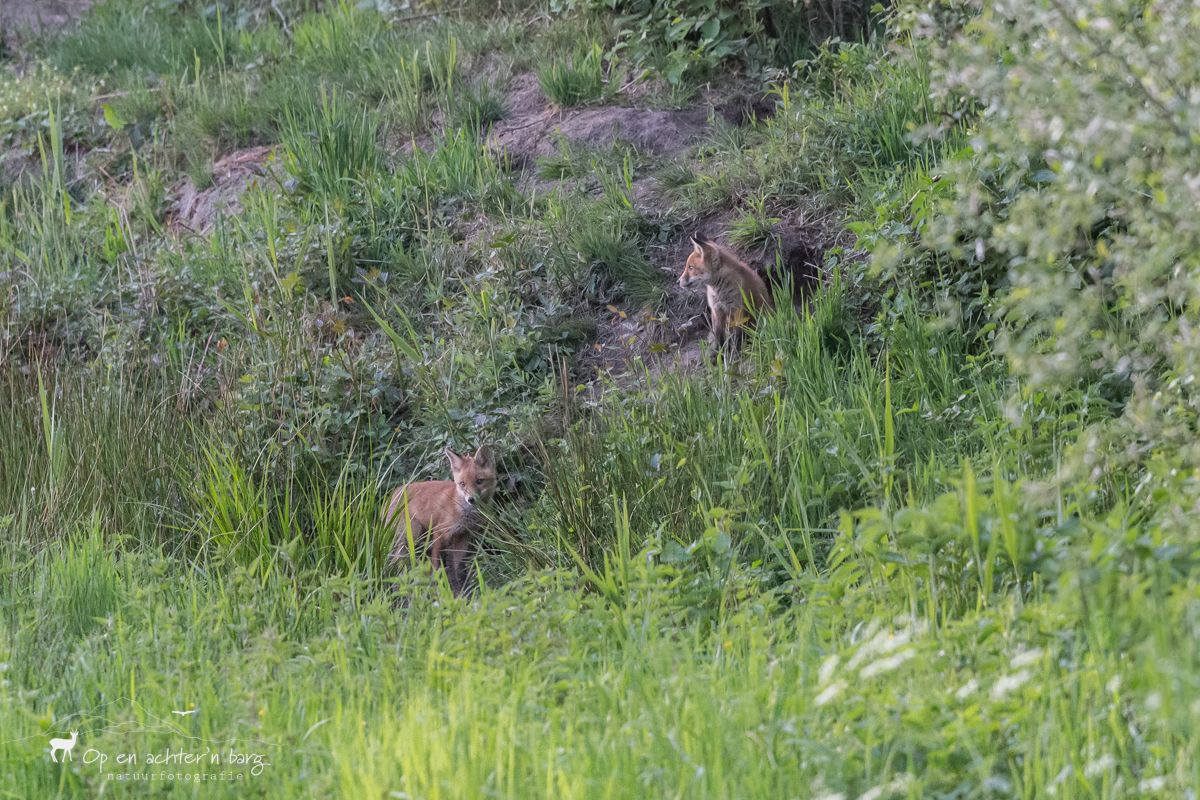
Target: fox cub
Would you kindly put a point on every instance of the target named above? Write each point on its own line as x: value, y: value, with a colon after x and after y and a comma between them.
x: 443, y: 514
x: 735, y: 292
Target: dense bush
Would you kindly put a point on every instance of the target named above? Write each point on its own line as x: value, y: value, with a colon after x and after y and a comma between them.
x: 1077, y: 201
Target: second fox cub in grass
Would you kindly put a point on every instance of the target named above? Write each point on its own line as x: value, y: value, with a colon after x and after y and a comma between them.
x: 735, y: 292
x: 443, y: 514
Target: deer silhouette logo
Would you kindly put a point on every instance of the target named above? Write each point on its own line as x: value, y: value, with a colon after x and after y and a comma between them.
x: 66, y: 745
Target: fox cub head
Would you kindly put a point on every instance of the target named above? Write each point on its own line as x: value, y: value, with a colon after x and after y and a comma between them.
x: 702, y: 263
x: 474, y: 476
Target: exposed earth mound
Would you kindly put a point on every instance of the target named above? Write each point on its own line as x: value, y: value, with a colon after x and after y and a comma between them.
x: 532, y: 125
x: 37, y: 16
x: 197, y: 210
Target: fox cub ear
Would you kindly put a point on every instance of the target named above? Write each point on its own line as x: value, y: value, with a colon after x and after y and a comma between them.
x: 702, y: 244
x: 456, y: 460
x: 483, y: 456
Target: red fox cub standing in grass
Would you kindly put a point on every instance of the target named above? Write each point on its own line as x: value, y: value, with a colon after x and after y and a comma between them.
x: 735, y: 292
x: 443, y: 514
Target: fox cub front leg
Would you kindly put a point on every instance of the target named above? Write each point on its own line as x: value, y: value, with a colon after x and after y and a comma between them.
x: 450, y: 552
x: 719, y: 332
x: 457, y: 560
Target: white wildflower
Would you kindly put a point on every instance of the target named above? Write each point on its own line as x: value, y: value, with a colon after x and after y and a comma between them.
x: 1155, y: 784
x: 886, y: 664
x: 1063, y: 774
x: 967, y: 689
x: 895, y: 785
x: 1026, y: 657
x: 827, y: 668
x: 1097, y: 767
x: 884, y: 642
x: 831, y: 692
x: 1009, y: 683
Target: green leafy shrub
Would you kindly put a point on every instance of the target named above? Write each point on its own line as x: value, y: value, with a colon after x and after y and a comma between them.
x: 846, y: 125
x: 1076, y: 205
x: 313, y: 396
x: 692, y: 37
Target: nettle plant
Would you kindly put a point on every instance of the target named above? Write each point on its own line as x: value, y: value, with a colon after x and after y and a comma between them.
x: 1079, y: 193
x: 683, y: 35
x: 686, y: 37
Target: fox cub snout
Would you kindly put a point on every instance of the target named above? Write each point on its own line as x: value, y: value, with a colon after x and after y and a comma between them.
x: 443, y: 514
x: 735, y: 291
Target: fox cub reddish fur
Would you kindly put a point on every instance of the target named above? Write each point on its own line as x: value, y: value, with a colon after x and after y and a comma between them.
x: 443, y: 514
x: 735, y: 292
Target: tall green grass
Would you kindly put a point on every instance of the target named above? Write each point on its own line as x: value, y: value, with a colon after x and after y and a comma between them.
x: 123, y: 36
x: 300, y: 522
x: 828, y: 423
x: 721, y: 688
x: 77, y: 445
x: 576, y: 79
x: 37, y: 217
x: 330, y: 149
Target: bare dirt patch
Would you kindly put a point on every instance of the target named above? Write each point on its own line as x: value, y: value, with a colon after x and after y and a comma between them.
x: 18, y: 17
x: 197, y: 210
x: 630, y: 346
x: 532, y: 125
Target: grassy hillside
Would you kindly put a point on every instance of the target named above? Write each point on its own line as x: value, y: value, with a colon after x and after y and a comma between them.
x: 930, y: 535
